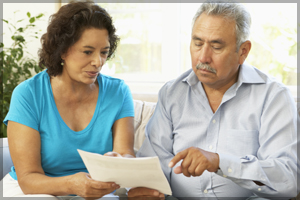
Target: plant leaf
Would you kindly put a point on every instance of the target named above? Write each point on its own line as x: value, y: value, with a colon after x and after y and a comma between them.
x: 32, y: 19
x: 40, y: 15
x: 19, y: 38
x: 5, y: 21
x: 28, y: 14
x: 20, y: 29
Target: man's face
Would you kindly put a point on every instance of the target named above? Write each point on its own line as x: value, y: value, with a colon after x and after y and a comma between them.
x: 214, y: 43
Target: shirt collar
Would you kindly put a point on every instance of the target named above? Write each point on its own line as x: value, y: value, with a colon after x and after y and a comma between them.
x: 191, y: 79
x: 247, y: 74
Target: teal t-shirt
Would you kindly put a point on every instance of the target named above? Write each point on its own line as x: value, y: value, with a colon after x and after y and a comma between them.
x: 32, y: 104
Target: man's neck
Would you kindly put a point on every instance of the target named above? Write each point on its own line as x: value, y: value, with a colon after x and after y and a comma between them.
x: 215, y: 94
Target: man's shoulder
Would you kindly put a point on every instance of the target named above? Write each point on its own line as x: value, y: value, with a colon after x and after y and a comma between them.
x: 269, y: 80
x: 258, y: 78
x: 177, y: 84
x: 263, y: 85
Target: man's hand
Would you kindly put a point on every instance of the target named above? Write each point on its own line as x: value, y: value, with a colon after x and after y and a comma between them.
x: 141, y: 193
x: 195, y: 162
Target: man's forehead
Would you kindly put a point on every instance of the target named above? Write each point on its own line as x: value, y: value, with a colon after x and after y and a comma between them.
x: 213, y: 28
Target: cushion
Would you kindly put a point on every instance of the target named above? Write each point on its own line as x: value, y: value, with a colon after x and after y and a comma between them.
x: 142, y: 113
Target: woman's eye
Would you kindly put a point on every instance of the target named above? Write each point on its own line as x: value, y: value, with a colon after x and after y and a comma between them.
x: 87, y: 52
x: 104, y: 52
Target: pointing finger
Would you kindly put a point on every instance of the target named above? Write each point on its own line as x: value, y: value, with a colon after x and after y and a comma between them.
x: 179, y: 156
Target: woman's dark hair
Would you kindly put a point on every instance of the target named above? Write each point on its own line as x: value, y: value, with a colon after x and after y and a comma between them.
x: 65, y: 29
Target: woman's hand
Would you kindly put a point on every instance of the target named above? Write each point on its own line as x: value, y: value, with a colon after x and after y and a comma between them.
x: 141, y: 193
x: 116, y: 154
x: 83, y: 185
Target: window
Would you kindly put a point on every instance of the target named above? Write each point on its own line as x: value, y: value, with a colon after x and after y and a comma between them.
x: 155, y: 38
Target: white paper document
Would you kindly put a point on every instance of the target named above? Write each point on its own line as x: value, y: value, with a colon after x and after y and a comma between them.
x: 127, y: 172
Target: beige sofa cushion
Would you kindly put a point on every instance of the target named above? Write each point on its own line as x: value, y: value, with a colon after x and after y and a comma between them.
x: 143, y: 112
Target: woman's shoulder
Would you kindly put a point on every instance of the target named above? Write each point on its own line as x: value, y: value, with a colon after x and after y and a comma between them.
x: 108, y: 81
x: 109, y: 78
x: 34, y: 83
x: 113, y: 87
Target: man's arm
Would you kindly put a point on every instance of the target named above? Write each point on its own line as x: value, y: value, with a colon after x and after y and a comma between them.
x: 159, y: 135
x: 273, y: 172
x: 275, y: 164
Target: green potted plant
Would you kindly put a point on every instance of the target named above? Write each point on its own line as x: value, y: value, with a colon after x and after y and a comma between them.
x: 15, y: 67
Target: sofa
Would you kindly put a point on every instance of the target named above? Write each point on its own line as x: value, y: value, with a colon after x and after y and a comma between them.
x: 143, y: 112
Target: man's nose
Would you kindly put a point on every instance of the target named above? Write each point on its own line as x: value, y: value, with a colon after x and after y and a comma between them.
x: 205, y: 54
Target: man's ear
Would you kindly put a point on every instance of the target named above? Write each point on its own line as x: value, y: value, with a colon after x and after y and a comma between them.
x: 244, y: 51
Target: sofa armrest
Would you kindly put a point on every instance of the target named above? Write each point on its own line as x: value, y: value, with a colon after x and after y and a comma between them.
x: 142, y: 113
x: 5, y: 157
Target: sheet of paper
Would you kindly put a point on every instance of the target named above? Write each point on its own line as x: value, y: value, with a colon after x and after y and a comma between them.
x: 127, y: 172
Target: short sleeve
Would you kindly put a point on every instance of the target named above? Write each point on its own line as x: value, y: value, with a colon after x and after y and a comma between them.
x: 127, y: 108
x: 22, y: 109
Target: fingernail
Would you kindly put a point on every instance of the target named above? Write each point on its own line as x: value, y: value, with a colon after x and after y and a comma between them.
x: 170, y: 164
x: 155, y: 193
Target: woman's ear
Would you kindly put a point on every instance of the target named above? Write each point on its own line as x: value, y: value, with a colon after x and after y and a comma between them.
x: 244, y: 51
x: 63, y: 56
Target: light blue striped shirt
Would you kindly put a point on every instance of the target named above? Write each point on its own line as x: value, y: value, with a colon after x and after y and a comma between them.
x: 254, y: 131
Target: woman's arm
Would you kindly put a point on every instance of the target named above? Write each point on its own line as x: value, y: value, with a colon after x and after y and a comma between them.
x: 25, y: 146
x: 123, y: 136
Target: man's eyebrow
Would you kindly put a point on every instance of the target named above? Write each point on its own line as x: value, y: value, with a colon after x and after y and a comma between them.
x: 218, y: 41
x: 197, y: 38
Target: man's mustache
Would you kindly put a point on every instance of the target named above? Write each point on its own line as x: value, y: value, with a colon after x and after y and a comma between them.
x: 206, y: 67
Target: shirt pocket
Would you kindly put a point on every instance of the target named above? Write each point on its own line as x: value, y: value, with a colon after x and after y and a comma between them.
x: 242, y: 142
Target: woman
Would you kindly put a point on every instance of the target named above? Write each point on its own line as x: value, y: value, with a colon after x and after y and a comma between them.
x: 69, y: 106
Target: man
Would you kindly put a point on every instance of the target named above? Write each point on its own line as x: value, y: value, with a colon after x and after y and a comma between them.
x: 226, y: 128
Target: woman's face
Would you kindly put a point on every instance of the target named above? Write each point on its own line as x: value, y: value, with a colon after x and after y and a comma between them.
x: 84, y: 60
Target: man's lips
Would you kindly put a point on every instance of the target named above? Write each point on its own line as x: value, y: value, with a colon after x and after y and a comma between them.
x: 205, y: 70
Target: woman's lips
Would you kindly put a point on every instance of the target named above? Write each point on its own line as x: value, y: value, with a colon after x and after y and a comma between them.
x: 92, y: 74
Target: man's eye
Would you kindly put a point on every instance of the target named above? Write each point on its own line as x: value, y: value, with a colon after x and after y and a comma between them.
x: 216, y: 48
x: 87, y: 52
x: 198, y: 44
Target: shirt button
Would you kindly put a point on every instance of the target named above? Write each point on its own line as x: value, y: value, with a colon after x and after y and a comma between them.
x: 205, y: 191
x: 224, y: 175
x: 229, y: 170
x: 259, y: 189
x: 214, y: 121
x: 210, y: 147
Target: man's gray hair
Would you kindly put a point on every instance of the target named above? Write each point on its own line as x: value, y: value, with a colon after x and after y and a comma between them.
x: 232, y: 11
